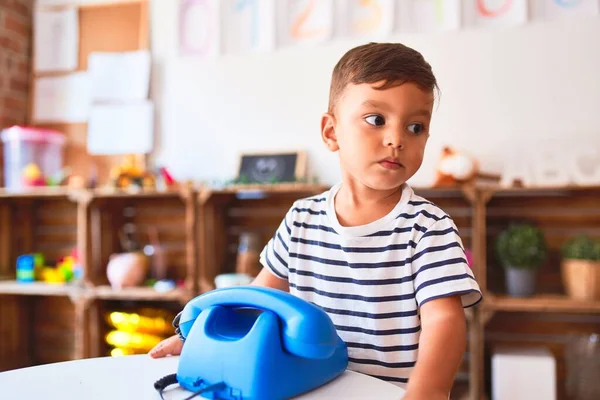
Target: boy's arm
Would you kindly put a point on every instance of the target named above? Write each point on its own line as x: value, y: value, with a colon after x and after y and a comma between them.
x: 267, y: 279
x: 444, y: 286
x: 441, y: 348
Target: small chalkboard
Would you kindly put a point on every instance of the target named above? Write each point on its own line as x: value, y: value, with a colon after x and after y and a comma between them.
x: 272, y: 167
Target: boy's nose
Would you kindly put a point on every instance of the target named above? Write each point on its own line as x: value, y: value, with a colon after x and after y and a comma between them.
x: 395, y: 140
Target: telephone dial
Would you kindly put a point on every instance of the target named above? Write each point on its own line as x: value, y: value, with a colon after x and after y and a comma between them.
x: 250, y: 343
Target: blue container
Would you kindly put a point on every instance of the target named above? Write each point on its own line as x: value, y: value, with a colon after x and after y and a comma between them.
x: 260, y: 343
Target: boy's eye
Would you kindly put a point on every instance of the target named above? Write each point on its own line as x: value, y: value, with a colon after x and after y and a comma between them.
x: 376, y: 120
x: 416, y: 128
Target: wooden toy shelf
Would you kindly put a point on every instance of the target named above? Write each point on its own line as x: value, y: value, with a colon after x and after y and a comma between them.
x: 202, y: 230
x: 38, y: 316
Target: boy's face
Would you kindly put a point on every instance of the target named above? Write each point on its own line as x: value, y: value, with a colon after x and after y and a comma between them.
x: 380, y: 134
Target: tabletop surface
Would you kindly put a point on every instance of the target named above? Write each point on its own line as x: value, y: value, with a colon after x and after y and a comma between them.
x: 133, y: 377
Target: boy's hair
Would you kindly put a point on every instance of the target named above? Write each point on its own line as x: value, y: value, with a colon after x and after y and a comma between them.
x: 392, y: 63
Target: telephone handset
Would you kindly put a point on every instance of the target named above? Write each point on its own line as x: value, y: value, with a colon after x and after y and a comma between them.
x: 261, y: 343
x: 307, y: 330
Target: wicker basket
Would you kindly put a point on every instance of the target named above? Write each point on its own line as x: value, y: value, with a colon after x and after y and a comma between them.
x: 581, y: 278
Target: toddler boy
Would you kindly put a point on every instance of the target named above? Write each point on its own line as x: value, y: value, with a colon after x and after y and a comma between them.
x: 387, y: 265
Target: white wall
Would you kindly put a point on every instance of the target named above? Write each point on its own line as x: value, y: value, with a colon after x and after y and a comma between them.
x: 504, y: 92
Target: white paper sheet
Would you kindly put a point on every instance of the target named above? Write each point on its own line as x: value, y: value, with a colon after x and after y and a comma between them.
x: 56, y: 40
x: 555, y: 9
x: 62, y: 98
x: 435, y: 15
x: 121, y: 129
x: 248, y: 25
x: 501, y: 13
x: 121, y: 76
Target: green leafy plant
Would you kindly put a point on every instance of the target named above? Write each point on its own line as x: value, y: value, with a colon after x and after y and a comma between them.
x: 581, y: 247
x: 521, y: 246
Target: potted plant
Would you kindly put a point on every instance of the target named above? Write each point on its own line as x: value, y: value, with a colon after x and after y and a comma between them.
x: 580, y: 268
x: 521, y: 249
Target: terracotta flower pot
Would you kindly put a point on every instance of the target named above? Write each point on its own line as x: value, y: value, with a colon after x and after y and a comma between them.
x: 581, y: 278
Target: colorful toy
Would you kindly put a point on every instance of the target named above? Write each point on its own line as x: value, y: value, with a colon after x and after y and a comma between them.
x: 137, y: 332
x: 455, y: 168
x: 136, y: 322
x: 32, y: 175
x: 26, y: 268
x: 132, y: 173
x: 135, y: 341
x: 32, y: 267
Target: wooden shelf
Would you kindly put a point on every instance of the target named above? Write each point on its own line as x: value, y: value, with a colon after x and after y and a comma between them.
x: 269, y: 188
x: 38, y: 289
x: 539, y: 190
x: 41, y: 192
x: 99, y: 292
x: 76, y: 194
x: 138, y: 294
x: 539, y: 303
x: 142, y: 194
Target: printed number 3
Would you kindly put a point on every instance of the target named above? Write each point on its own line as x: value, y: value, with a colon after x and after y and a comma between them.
x: 370, y: 23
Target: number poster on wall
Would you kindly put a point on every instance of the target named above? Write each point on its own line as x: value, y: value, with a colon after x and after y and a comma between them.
x: 435, y: 15
x: 567, y: 8
x: 369, y: 18
x: 306, y: 21
x: 248, y: 25
x: 501, y: 12
x: 209, y: 28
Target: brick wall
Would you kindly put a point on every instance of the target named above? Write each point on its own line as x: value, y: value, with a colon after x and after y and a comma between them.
x: 15, y: 58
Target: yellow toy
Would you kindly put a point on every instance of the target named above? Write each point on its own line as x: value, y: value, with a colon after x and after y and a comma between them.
x: 137, y: 332
x: 32, y: 175
x: 132, y: 172
x: 133, y: 322
x: 133, y: 340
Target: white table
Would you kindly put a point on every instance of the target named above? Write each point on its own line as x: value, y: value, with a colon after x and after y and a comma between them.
x: 133, y: 377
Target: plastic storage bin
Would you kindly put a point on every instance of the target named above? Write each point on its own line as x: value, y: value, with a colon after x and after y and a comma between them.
x: 31, y: 156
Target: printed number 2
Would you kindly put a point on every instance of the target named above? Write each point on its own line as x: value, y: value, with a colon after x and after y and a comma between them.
x: 484, y: 10
x: 370, y: 23
x: 297, y: 30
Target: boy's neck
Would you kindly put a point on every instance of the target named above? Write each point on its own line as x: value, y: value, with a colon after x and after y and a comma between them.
x: 357, y: 204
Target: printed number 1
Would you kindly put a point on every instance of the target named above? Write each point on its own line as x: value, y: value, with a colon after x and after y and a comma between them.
x: 240, y: 6
x: 483, y: 9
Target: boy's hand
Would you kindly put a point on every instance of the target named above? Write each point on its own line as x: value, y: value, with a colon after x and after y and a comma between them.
x: 171, y: 346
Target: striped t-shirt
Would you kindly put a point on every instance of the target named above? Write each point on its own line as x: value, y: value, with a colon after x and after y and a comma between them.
x: 372, y: 279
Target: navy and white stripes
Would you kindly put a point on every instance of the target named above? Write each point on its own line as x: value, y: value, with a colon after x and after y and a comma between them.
x: 372, y: 279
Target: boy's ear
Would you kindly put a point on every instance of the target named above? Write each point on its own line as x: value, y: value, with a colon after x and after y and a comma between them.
x: 328, y: 132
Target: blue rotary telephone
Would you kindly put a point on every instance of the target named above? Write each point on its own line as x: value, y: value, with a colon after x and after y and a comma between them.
x: 250, y: 343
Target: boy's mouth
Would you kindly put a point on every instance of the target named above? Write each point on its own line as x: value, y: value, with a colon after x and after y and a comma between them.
x: 391, y: 163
